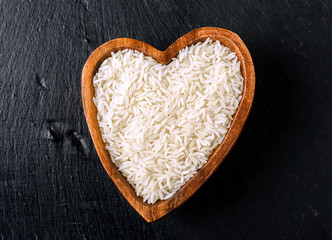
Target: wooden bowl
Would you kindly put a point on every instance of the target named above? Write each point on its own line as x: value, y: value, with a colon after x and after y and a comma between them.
x: 152, y: 212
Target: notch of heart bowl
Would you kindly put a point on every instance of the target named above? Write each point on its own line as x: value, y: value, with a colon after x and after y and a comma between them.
x: 152, y: 212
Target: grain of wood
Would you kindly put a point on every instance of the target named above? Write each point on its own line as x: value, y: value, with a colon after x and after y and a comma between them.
x: 152, y: 212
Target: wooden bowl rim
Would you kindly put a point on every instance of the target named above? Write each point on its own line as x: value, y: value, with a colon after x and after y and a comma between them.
x: 152, y: 212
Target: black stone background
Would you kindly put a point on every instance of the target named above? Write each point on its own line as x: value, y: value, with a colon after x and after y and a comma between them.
x: 275, y: 184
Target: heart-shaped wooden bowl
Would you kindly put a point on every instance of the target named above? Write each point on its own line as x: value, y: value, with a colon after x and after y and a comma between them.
x: 152, y: 212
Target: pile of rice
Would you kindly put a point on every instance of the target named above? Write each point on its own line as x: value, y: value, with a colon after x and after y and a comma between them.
x: 160, y: 123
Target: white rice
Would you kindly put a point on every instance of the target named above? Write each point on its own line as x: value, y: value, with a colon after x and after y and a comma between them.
x: 160, y: 123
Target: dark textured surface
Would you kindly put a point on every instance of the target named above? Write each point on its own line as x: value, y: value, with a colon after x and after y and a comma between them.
x: 275, y: 184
